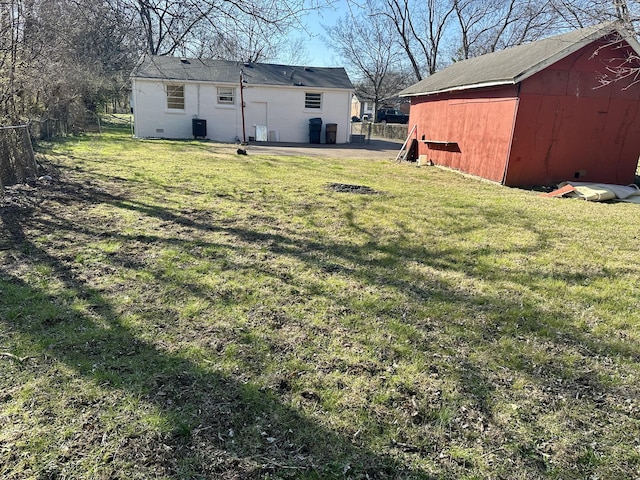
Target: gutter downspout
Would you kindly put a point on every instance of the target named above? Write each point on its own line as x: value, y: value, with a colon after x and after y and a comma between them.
x: 198, y: 94
x: 133, y: 106
x: 244, y: 131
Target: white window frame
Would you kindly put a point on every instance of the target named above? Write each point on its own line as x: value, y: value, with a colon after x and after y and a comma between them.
x: 175, y: 96
x: 226, y: 95
x: 313, y: 101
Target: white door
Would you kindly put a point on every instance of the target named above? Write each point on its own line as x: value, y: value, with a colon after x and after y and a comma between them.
x: 256, y: 116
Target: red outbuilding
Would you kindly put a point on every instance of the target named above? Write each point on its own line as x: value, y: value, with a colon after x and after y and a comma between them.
x: 563, y: 108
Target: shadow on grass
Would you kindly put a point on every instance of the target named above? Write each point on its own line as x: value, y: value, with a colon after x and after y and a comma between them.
x: 212, y: 419
x: 372, y: 261
x: 212, y: 426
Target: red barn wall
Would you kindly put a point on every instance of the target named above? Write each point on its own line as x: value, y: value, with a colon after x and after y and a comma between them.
x: 478, y: 125
x: 570, y: 127
x: 560, y: 124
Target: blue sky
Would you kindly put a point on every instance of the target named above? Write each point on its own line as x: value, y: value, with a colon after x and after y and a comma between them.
x: 319, y: 54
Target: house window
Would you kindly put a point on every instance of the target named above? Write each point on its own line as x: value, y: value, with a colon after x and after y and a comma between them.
x: 313, y: 100
x: 226, y: 95
x: 175, y: 97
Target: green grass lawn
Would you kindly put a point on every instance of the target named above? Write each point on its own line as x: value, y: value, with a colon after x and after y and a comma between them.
x: 172, y: 310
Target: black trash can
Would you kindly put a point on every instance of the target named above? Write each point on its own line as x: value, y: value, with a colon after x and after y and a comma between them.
x: 315, y: 127
x: 199, y: 127
x: 331, y: 130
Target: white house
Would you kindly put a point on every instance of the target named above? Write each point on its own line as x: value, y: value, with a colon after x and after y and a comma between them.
x: 362, y: 109
x: 230, y: 101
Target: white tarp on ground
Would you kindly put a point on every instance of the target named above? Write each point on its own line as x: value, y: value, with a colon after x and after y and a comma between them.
x: 597, y: 192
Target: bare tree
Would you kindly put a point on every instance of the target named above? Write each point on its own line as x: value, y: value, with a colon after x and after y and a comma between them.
x: 624, y: 70
x: 421, y: 28
x: 429, y: 30
x: 366, y: 44
x: 581, y: 13
x: 249, y: 41
x: 14, y: 51
x: 248, y: 27
x: 490, y: 25
x: 472, y: 18
x: 60, y: 58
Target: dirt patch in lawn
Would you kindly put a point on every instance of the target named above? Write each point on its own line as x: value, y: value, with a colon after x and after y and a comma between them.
x: 346, y: 188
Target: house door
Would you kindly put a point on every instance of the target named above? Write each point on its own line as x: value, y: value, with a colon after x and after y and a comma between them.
x: 257, y: 121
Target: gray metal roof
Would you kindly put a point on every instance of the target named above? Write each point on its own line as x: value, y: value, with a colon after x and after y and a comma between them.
x: 515, y: 64
x: 222, y: 71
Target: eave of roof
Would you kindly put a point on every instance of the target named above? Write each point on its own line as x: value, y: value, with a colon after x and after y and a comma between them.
x: 513, y: 65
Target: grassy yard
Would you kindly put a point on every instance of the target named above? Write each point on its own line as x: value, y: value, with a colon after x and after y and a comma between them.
x: 172, y: 310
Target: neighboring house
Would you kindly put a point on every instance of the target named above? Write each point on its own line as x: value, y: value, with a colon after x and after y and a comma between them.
x: 538, y: 113
x: 183, y: 98
x: 363, y: 109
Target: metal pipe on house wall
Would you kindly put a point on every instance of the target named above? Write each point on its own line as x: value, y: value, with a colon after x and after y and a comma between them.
x: 244, y: 133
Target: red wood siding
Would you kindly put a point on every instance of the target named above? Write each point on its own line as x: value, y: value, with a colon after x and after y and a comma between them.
x: 570, y: 127
x: 559, y: 124
x: 480, y: 123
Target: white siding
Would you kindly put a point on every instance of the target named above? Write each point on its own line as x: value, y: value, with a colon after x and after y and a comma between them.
x: 285, y: 112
